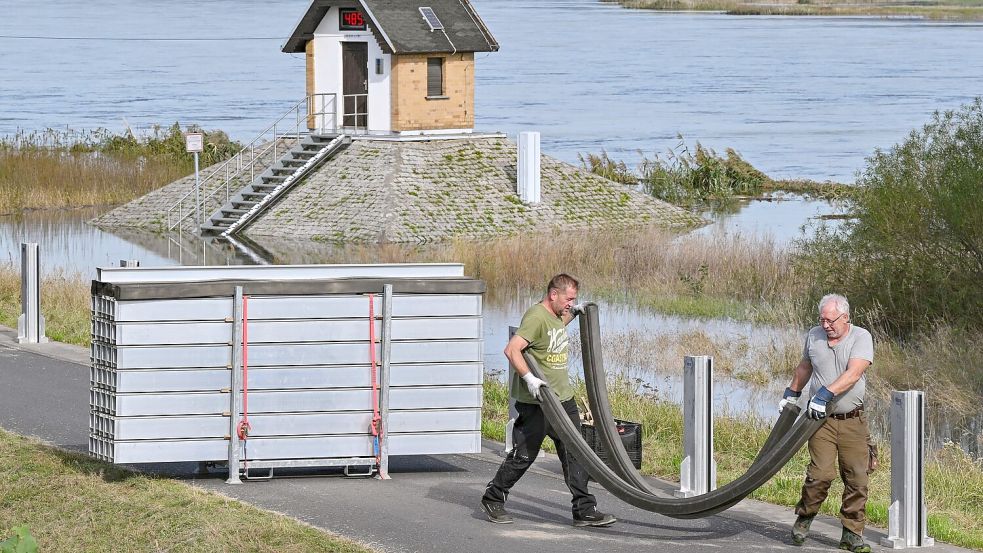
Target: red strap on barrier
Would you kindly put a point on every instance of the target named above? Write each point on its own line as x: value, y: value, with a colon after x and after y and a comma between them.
x: 375, y: 427
x: 244, y: 427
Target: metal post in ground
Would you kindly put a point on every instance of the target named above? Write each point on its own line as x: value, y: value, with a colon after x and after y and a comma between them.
x: 387, y: 323
x: 235, y: 389
x: 907, y: 514
x: 698, y: 471
x: 30, y: 324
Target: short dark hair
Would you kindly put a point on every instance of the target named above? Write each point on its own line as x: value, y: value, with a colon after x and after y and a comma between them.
x: 561, y: 282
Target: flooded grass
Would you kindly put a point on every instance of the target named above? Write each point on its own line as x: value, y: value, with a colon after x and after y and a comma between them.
x: 67, y: 169
x: 112, y: 509
x: 942, y: 10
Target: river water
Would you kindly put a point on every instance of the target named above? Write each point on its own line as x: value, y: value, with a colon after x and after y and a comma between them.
x: 802, y: 97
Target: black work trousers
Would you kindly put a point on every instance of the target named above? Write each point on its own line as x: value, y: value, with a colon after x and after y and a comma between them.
x: 527, y: 437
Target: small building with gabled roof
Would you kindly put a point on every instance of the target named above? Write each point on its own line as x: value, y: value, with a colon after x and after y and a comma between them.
x: 392, y: 66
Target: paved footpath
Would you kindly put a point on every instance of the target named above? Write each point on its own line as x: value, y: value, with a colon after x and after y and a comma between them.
x: 431, y: 503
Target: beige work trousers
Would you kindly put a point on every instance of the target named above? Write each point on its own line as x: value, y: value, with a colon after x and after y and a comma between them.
x: 845, y: 443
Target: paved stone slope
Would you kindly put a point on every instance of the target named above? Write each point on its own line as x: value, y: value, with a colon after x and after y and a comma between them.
x: 422, y: 191
x: 378, y: 191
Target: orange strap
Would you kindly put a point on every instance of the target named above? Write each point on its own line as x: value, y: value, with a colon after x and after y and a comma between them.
x: 244, y: 427
x: 375, y: 427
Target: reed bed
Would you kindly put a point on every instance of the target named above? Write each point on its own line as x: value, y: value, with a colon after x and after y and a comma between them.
x: 55, y: 169
x: 715, y: 276
x: 110, y: 508
x: 953, y: 9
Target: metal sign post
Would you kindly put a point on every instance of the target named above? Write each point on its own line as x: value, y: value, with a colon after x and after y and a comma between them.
x: 195, y: 143
x: 698, y: 471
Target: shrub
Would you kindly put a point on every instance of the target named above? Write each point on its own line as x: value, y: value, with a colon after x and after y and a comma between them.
x: 913, y: 256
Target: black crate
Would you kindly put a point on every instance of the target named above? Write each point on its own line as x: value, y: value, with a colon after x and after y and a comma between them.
x: 631, y: 437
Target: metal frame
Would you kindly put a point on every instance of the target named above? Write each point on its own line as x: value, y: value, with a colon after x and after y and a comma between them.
x: 119, y: 275
x: 387, y: 318
x: 235, y: 389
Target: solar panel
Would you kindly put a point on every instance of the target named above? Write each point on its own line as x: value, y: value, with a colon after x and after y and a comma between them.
x: 435, y: 24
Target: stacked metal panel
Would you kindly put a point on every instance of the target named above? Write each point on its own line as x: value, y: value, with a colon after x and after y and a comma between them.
x: 162, y: 364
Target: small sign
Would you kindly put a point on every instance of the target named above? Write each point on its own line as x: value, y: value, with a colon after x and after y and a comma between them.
x: 195, y: 141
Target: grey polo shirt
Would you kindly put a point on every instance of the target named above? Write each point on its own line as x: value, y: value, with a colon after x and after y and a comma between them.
x: 828, y: 363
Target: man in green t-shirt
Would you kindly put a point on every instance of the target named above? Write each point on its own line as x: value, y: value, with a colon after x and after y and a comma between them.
x: 543, y: 334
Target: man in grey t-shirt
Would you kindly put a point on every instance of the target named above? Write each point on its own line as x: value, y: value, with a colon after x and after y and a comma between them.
x: 834, y: 361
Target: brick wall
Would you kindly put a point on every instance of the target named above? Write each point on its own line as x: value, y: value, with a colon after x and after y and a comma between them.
x: 413, y: 111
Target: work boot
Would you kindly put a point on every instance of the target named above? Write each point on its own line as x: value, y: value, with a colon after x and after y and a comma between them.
x: 800, y: 530
x: 593, y: 517
x: 496, y: 512
x: 853, y: 542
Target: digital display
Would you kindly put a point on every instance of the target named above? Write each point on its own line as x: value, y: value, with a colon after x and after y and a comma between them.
x: 351, y: 20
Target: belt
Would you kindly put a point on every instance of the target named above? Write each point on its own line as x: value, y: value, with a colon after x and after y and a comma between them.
x: 843, y: 416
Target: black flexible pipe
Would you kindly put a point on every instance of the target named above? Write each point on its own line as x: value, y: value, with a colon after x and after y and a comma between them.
x: 604, y: 423
x: 769, y: 464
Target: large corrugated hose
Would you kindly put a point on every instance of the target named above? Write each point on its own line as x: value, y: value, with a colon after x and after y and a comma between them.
x: 786, y: 438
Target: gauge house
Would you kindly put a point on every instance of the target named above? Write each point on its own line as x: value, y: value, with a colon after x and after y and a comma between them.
x: 391, y: 66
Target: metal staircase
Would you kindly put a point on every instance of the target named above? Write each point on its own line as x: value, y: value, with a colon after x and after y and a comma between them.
x: 252, y: 199
x: 310, y: 119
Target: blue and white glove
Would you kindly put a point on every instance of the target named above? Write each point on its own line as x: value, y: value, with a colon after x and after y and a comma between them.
x: 534, y: 384
x: 817, y: 405
x: 790, y: 397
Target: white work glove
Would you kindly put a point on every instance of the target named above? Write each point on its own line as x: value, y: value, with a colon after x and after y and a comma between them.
x: 578, y: 309
x: 533, y: 383
x: 789, y: 397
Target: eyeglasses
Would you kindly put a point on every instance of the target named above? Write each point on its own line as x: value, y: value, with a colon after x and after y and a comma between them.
x: 824, y: 322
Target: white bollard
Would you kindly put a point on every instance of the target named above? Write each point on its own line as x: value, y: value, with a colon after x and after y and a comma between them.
x: 30, y: 324
x: 907, y: 515
x: 698, y: 471
x: 528, y: 186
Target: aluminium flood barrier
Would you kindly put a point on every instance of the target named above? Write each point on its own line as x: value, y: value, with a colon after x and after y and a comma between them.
x: 175, y: 363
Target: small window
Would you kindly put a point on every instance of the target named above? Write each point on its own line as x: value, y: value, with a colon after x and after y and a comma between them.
x: 435, y: 76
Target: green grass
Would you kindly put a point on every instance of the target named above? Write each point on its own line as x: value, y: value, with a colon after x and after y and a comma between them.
x: 73, y: 503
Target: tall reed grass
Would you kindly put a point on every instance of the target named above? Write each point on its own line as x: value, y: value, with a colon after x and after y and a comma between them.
x: 681, y: 176
x: 68, y: 169
x: 952, y: 9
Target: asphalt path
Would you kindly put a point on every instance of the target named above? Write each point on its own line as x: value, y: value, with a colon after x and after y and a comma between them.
x: 431, y: 502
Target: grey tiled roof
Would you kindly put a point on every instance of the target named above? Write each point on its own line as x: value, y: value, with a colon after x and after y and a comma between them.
x: 401, y: 28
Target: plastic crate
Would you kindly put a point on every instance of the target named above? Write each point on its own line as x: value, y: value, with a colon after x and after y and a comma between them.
x: 631, y: 437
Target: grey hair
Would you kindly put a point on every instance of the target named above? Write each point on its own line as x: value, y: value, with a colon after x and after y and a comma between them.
x: 838, y: 301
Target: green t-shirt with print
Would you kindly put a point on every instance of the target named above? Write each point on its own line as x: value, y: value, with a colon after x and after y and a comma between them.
x: 548, y: 345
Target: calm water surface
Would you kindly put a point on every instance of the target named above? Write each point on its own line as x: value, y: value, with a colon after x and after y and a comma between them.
x: 797, y: 96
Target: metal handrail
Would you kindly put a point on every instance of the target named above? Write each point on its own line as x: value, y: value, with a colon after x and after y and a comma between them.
x: 316, y: 112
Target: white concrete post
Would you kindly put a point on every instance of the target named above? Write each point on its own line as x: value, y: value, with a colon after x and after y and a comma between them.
x: 907, y: 514
x: 528, y: 185
x: 30, y: 324
x: 698, y: 471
